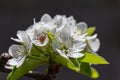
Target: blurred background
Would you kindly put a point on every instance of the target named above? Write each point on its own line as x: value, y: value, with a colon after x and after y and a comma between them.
x: 104, y: 14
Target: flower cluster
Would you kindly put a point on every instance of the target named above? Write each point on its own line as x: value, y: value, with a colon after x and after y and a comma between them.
x: 59, y: 36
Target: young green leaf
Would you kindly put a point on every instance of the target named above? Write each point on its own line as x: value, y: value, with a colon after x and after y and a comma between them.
x: 36, y: 52
x: 85, y: 69
x: 90, y: 31
x: 67, y: 63
x: 75, y: 62
x: 10, y: 74
x: 94, y: 73
x: 88, y: 71
x: 93, y: 58
x: 28, y: 65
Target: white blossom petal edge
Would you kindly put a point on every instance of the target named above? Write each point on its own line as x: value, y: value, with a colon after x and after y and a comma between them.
x: 18, y: 53
x: 93, y: 42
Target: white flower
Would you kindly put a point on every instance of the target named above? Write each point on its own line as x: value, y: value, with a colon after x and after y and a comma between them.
x: 40, y: 37
x: 38, y: 34
x: 67, y: 46
x: 70, y: 38
x: 18, y: 53
x: 73, y: 36
x: 73, y: 51
x: 93, y: 41
x: 23, y: 38
x: 38, y: 31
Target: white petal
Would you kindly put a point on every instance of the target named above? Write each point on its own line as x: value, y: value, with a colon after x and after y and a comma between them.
x: 71, y: 22
x: 58, y: 21
x: 46, y: 18
x: 37, y: 25
x: 62, y: 53
x: 17, y: 40
x: 51, y: 26
x: 42, y: 29
x: 71, y: 18
x: 56, y: 44
x: 37, y: 42
x: 92, y: 37
x: 75, y: 55
x: 82, y: 26
x: 30, y: 32
x: 93, y: 43
x: 34, y: 21
x: 13, y: 50
x: 65, y: 33
x: 79, y: 38
x: 57, y: 17
x: 79, y: 46
x: 12, y: 62
x: 20, y: 62
x: 64, y: 20
x: 16, y: 61
x: 36, y: 33
x: 22, y: 35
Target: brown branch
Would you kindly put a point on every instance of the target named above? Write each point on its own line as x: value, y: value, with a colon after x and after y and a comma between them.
x: 52, y: 69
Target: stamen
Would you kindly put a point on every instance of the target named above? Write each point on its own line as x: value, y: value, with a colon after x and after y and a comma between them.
x: 42, y: 37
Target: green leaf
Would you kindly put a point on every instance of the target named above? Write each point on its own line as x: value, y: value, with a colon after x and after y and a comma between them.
x: 28, y: 65
x: 36, y: 52
x: 75, y: 62
x: 88, y: 71
x: 13, y: 70
x: 67, y: 63
x: 85, y: 69
x: 90, y: 31
x: 94, y: 73
x: 40, y: 53
x: 93, y: 58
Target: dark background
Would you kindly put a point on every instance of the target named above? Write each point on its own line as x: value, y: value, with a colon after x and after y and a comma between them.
x: 104, y: 14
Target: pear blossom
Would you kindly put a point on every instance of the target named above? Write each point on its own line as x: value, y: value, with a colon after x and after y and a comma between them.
x: 70, y: 38
x: 68, y: 46
x: 24, y: 39
x: 20, y: 52
x: 69, y: 34
x: 55, y: 41
x: 93, y: 41
x: 38, y: 31
x: 74, y: 51
x: 40, y: 37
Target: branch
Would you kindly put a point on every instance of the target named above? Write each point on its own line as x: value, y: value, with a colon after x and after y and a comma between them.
x: 52, y: 70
